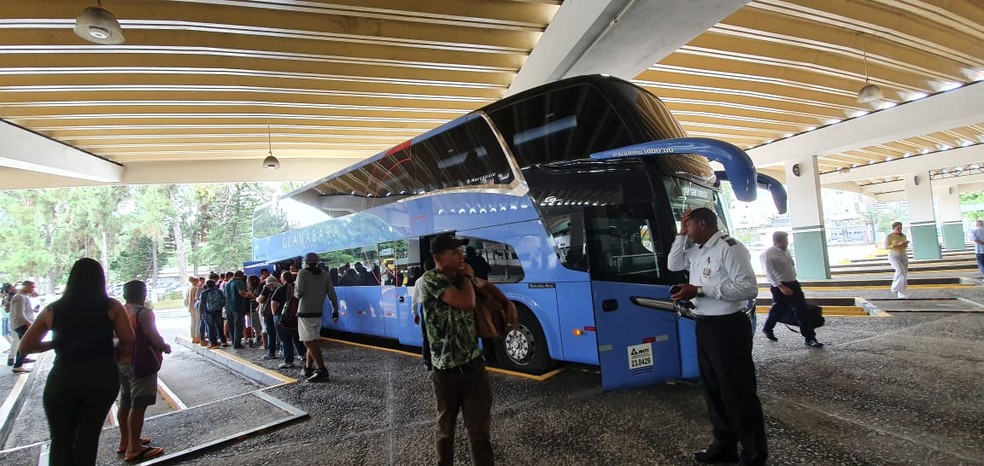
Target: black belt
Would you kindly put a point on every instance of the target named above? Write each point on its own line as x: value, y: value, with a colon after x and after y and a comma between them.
x: 701, y: 317
x: 479, y: 361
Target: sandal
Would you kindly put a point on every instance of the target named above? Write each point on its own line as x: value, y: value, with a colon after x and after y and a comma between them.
x: 146, y: 453
x: 143, y: 441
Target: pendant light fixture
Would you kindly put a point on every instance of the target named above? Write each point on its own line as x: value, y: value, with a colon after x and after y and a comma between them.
x: 270, y: 162
x: 870, y: 92
x: 98, y: 26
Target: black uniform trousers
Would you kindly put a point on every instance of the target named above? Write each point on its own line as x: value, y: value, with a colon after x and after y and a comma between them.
x: 724, y: 354
x: 797, y: 302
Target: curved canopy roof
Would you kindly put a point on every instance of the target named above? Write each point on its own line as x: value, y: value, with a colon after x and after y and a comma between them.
x: 203, y: 90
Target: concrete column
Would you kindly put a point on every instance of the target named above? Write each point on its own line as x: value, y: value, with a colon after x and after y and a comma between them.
x: 806, y: 216
x: 922, y: 220
x: 954, y: 236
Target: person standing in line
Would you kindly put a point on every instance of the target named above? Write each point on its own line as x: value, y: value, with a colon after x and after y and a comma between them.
x: 5, y: 294
x: 191, y: 296
x: 236, y: 307
x: 210, y: 304
x: 84, y: 379
x: 461, y: 383
x: 780, y: 270
x: 266, y: 309
x: 977, y: 236
x: 313, y: 285
x: 897, y: 246
x: 477, y: 263
x: 285, y: 321
x: 137, y: 393
x: 722, y: 281
x: 21, y: 318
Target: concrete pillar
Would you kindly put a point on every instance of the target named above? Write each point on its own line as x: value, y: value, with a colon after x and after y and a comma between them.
x: 923, y: 235
x: 806, y: 216
x: 954, y: 236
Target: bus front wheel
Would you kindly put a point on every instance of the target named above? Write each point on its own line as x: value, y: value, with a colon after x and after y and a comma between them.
x: 524, y: 349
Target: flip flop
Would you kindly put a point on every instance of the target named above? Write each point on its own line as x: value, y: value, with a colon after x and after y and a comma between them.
x: 143, y: 441
x: 146, y: 453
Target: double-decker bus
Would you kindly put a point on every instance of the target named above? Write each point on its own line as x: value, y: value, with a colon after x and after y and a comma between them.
x: 571, y: 191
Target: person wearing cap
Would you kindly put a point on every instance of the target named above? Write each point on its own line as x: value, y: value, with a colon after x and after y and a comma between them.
x: 313, y: 285
x: 266, y: 312
x: 461, y: 383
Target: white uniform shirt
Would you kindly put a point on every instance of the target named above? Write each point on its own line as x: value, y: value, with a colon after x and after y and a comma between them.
x: 722, y: 267
x: 977, y: 234
x: 778, y: 265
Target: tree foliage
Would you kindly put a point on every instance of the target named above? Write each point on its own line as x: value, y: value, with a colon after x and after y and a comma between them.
x: 135, y: 230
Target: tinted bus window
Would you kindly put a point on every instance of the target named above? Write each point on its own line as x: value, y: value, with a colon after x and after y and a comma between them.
x: 466, y: 155
x: 503, y: 262
x: 623, y: 245
x: 563, y: 124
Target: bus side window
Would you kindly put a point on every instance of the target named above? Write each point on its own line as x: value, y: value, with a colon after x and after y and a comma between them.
x: 566, y: 226
x: 499, y: 259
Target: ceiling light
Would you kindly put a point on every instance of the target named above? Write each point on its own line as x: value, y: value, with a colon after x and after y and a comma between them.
x: 870, y: 92
x: 270, y: 162
x: 98, y: 26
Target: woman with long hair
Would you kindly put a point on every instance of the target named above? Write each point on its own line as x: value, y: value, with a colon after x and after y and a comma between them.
x: 84, y: 379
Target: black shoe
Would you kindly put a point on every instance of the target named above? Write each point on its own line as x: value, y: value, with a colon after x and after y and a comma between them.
x: 319, y: 375
x: 308, y: 372
x: 771, y: 336
x: 813, y: 343
x: 716, y: 455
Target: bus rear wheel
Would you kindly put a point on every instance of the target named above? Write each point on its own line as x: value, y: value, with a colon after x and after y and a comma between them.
x: 524, y: 349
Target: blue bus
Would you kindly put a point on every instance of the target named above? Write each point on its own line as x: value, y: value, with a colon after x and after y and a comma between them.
x: 572, y: 192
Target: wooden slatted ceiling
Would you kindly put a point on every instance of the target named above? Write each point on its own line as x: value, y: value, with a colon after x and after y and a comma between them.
x: 777, y: 68
x: 202, y: 79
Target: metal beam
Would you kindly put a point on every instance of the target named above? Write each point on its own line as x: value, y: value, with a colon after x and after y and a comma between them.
x: 943, y: 111
x: 203, y: 171
x: 26, y: 150
x: 616, y: 37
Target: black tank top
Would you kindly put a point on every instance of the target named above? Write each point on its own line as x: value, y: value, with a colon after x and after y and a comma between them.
x: 81, y: 335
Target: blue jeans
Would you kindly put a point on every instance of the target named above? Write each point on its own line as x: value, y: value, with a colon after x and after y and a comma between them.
x: 289, y: 341
x: 271, y: 336
x: 980, y: 263
x: 19, y: 359
x: 213, y: 324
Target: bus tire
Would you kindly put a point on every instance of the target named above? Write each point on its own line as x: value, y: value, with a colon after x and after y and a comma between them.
x: 524, y: 349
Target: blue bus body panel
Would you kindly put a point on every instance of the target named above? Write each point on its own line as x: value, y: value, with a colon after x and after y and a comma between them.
x: 687, y: 329
x: 574, y: 304
x: 636, y: 345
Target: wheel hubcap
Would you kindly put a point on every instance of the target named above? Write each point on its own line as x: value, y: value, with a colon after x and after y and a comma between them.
x: 519, y: 345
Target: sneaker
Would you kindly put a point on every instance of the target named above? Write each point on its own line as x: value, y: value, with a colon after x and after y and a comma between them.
x: 269, y: 356
x: 308, y: 372
x: 28, y: 360
x: 902, y: 295
x: 224, y: 345
x: 813, y: 343
x: 214, y: 346
x: 285, y: 365
x: 768, y: 334
x: 318, y: 376
x: 21, y: 370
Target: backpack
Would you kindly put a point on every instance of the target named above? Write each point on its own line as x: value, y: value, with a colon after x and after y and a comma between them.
x: 288, y: 312
x: 214, y: 301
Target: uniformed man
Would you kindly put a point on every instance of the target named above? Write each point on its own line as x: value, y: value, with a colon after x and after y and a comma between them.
x: 721, y: 282
x: 780, y: 270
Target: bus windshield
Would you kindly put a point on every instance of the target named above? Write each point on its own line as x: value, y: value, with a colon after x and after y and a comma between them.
x: 683, y: 194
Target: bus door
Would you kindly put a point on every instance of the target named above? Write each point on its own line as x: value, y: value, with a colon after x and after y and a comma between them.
x: 394, y: 301
x: 638, y: 341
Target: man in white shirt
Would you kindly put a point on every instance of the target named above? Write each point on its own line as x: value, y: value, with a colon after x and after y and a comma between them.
x: 977, y: 236
x: 780, y: 270
x: 721, y: 283
x: 21, y: 317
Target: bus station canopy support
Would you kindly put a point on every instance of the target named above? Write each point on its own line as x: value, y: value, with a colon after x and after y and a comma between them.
x: 951, y: 218
x: 922, y: 218
x: 27, y: 150
x: 806, y: 218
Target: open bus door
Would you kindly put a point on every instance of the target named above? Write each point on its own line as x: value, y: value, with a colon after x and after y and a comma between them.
x: 642, y: 338
x: 636, y: 323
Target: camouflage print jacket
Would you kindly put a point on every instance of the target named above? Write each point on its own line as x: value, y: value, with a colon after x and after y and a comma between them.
x: 450, y: 331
